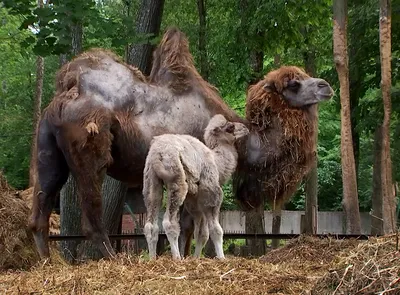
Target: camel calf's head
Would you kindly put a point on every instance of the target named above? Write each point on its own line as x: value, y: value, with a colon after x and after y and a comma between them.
x: 225, y: 131
x: 296, y: 87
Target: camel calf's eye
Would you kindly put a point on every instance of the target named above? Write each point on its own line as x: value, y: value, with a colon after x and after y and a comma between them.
x: 230, y: 128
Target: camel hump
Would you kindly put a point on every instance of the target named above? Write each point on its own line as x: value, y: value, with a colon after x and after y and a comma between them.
x: 173, y: 64
x: 98, y: 73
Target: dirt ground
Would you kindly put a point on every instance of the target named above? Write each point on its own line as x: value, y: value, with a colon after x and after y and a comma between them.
x: 304, y: 266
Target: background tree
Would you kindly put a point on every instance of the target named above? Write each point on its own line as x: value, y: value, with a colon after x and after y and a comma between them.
x: 350, y: 195
x: 37, y: 110
x: 384, y: 203
x: 148, y: 24
x: 290, y: 28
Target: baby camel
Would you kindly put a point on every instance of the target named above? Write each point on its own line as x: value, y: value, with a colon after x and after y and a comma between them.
x: 192, y: 172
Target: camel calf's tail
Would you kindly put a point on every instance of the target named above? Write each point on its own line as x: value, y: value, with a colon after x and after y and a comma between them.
x: 164, y: 168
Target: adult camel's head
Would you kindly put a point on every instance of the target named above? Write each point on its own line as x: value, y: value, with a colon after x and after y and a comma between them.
x: 297, y: 88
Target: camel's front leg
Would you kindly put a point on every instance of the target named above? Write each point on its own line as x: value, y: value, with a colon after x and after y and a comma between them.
x: 88, y: 164
x: 52, y: 173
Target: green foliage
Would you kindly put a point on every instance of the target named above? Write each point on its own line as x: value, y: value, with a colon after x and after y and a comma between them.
x: 288, y: 29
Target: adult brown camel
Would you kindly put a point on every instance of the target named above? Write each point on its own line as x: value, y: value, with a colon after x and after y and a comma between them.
x: 102, y: 119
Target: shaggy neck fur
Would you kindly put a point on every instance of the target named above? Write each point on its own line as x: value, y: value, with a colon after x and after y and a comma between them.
x: 280, y: 148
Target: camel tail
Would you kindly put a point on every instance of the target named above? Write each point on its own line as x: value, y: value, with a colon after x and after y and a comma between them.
x: 163, y: 169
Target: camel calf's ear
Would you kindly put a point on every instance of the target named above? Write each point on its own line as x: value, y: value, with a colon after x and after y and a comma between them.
x: 216, y: 130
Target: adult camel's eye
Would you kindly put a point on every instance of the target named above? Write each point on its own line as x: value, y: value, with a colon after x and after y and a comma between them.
x: 293, y: 85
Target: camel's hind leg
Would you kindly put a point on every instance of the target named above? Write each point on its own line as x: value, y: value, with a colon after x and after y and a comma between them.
x: 177, y: 192
x: 216, y: 231
x: 52, y: 173
x: 153, y: 195
x: 88, y: 158
x: 201, y: 233
x: 210, y: 200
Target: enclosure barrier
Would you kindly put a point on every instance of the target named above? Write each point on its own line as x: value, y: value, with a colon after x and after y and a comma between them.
x: 228, y: 235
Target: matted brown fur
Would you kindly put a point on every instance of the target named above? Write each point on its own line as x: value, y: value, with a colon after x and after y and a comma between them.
x: 67, y: 88
x: 173, y: 66
x: 286, y: 133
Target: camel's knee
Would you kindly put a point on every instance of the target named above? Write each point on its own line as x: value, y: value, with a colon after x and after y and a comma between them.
x: 151, y: 230
x: 171, y: 228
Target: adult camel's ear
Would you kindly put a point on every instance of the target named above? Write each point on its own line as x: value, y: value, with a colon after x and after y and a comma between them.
x: 269, y: 86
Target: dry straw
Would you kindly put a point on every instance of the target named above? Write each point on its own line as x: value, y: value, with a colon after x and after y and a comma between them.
x: 304, y: 266
x: 371, y: 268
x: 16, y: 243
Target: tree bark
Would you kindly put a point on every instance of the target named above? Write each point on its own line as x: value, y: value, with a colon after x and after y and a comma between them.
x: 201, y: 6
x: 377, y: 200
x: 37, y: 106
x: 147, y: 26
x: 36, y: 118
x: 311, y: 184
x: 276, y: 226
x: 350, y: 196
x: 388, y: 194
x: 113, y: 192
x: 70, y: 210
x: 255, y: 225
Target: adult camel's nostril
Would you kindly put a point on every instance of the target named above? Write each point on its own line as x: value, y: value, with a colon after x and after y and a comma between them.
x: 323, y: 83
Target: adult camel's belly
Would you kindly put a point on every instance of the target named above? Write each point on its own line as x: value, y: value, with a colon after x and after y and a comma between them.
x: 130, y: 147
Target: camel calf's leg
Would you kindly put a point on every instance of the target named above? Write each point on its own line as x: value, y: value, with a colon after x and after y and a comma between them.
x: 201, y: 233
x: 216, y: 231
x: 52, y: 174
x: 187, y: 230
x: 153, y: 195
x: 176, y: 195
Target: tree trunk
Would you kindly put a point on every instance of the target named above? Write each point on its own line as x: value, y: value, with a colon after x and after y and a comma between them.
x: 63, y: 59
x: 255, y: 225
x: 388, y: 194
x: 70, y: 210
x: 113, y: 192
x: 77, y: 36
x: 350, y: 196
x: 147, y: 26
x: 36, y: 112
x: 36, y: 117
x: 70, y: 219
x: 311, y: 184
x: 202, y: 38
x: 377, y: 200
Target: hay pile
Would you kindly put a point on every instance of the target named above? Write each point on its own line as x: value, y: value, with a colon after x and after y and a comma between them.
x: 27, y: 196
x: 134, y: 275
x: 293, y: 269
x: 370, y: 268
x: 16, y: 243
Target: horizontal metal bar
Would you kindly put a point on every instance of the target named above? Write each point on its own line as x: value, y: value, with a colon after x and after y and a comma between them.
x: 226, y: 236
